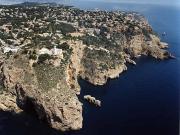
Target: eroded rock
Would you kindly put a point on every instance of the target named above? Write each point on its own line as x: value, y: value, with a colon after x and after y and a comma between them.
x: 43, y: 90
x: 47, y: 85
x: 60, y: 111
x: 8, y: 103
x: 92, y: 100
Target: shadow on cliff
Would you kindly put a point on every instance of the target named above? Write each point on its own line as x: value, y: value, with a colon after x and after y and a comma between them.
x: 24, y: 124
x: 28, y: 124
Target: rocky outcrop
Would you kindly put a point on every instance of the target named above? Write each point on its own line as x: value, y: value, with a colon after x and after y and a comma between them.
x: 99, y: 65
x: 8, y: 103
x: 137, y: 45
x: 74, y: 66
x: 50, y: 92
x: 59, y: 111
x: 42, y: 90
x: 47, y: 85
x: 92, y: 100
x: 128, y: 59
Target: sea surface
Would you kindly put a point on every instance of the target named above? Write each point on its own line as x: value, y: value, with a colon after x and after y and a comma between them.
x: 143, y: 101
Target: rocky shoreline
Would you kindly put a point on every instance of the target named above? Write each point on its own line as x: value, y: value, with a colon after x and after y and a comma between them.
x: 48, y: 83
x: 8, y: 103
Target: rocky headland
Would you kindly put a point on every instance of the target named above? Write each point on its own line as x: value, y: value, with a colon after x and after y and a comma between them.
x: 45, y: 49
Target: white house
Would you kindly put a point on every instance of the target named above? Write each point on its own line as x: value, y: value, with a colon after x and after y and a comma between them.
x: 45, y: 51
x: 8, y: 49
x: 57, y: 52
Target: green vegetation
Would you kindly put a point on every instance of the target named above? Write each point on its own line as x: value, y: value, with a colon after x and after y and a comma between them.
x: 1, y: 83
x: 44, y: 57
x: 35, y: 26
x: 146, y: 33
x: 66, y: 56
x: 103, y: 66
x: 101, y: 41
x: 8, y: 54
x: 65, y: 28
x: 48, y: 76
x: 33, y: 56
x: 5, y: 36
x: 63, y: 46
x: 67, y: 52
x: 91, y: 40
x: 100, y: 59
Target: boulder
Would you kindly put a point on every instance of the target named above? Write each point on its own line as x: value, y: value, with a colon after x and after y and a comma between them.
x: 92, y: 100
x: 8, y: 103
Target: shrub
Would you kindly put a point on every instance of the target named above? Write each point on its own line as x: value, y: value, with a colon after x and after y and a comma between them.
x: 90, y: 40
x: 103, y: 66
x: 44, y: 57
x: 33, y: 57
x: 63, y: 46
x: 34, y: 64
x: 146, y: 33
x: 16, y: 56
x: 25, y: 51
x: 65, y: 28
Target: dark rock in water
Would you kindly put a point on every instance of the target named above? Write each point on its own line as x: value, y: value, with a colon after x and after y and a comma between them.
x: 92, y: 100
x: 172, y: 56
x: 164, y: 34
x: 45, y: 83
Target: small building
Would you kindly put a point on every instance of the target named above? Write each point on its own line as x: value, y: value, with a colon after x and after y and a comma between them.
x: 45, y: 51
x: 9, y: 49
x: 97, y: 31
x: 108, y: 36
x: 90, y: 31
x: 76, y: 34
x: 57, y: 52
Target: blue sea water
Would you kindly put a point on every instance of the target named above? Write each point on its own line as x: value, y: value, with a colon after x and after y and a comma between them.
x: 143, y: 101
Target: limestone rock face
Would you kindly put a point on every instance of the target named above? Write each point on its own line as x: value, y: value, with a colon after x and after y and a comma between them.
x: 46, y: 84
x: 8, y: 103
x: 51, y: 91
x: 99, y: 65
x: 42, y: 90
x: 60, y: 114
x: 92, y: 100
x: 137, y: 45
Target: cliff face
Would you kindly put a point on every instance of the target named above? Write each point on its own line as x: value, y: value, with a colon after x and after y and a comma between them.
x: 153, y: 47
x: 51, y: 91
x: 47, y: 84
x: 8, y: 103
x: 43, y: 89
x: 100, y: 64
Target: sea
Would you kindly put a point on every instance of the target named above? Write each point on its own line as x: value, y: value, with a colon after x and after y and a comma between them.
x: 144, y: 100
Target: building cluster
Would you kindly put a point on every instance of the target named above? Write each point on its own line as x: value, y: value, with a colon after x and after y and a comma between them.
x: 42, y: 26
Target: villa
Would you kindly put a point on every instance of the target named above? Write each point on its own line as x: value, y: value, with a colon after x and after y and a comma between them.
x: 9, y: 49
x: 55, y: 52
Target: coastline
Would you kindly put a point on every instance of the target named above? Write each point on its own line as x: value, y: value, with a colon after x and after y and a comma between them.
x: 132, y: 46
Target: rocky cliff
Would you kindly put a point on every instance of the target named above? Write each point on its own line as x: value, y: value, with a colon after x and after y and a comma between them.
x: 45, y: 82
x: 43, y: 89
